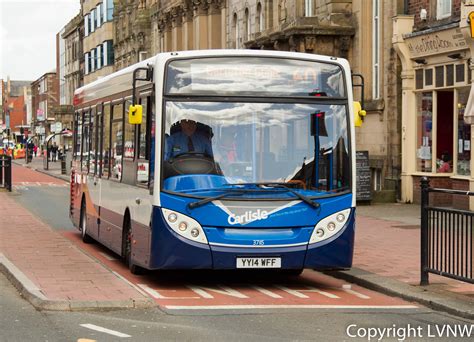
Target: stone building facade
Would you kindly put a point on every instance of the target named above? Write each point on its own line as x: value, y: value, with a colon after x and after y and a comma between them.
x: 98, y: 43
x: 73, y: 36
x: 132, y: 28
x: 188, y: 25
x: 436, y: 48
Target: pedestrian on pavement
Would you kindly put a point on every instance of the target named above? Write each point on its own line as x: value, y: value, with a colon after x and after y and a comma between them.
x: 54, y: 151
x: 35, y: 150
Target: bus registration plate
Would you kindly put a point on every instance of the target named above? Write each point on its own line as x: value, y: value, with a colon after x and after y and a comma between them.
x: 259, y: 262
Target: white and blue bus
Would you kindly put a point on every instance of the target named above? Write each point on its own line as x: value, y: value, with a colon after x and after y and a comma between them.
x: 238, y: 159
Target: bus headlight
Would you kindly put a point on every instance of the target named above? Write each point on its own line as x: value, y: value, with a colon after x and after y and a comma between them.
x: 180, y: 223
x: 329, y: 226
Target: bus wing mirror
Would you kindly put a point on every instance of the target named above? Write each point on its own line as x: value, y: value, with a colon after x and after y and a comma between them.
x: 359, y: 114
x: 135, y: 114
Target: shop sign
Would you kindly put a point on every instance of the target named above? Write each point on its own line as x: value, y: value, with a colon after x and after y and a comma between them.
x: 436, y: 43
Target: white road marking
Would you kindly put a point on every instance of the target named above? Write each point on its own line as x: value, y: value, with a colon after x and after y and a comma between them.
x: 292, y: 292
x: 267, y: 292
x: 200, y: 290
x: 243, y: 307
x: 348, y: 288
x: 104, y: 330
x: 157, y: 295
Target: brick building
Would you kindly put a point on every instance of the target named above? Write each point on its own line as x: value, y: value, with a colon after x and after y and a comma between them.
x: 45, y: 103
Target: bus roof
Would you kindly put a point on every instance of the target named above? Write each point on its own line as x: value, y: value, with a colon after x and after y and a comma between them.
x: 121, y: 80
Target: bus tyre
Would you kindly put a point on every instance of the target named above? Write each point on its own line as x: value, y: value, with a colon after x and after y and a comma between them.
x: 83, y: 224
x: 127, y: 250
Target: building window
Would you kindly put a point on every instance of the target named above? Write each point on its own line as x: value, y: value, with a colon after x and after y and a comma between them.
x: 376, y: 50
x: 86, y: 25
x: 86, y: 59
x: 424, y: 128
x: 463, y: 165
x: 439, y: 74
x: 308, y: 8
x: 93, y: 20
x: 435, y: 131
x: 443, y: 9
x: 99, y: 15
x: 99, y: 57
x: 109, y: 9
x: 428, y: 77
x: 92, y: 66
x: 260, y: 23
x: 108, y: 53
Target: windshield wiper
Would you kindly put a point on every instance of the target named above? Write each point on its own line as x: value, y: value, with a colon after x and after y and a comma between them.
x: 279, y: 185
x: 228, y: 192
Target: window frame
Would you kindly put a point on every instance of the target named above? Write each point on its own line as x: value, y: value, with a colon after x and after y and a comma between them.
x: 439, y: 8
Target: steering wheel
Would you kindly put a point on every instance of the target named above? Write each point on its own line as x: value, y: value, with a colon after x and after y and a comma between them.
x: 196, y: 154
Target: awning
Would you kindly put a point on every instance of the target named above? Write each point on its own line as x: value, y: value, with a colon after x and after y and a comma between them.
x: 469, y: 112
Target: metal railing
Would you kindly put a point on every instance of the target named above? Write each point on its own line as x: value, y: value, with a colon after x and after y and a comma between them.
x: 446, y: 238
x: 6, y: 172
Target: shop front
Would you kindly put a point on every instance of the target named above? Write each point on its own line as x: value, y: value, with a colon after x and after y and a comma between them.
x: 436, y: 139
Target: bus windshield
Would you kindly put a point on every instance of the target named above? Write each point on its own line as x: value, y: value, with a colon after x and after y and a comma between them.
x: 305, y: 145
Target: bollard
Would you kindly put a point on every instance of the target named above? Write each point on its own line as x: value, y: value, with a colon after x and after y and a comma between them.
x: 424, y: 185
x: 63, y: 165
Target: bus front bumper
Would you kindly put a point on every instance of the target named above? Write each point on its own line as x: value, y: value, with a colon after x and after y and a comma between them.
x: 171, y: 251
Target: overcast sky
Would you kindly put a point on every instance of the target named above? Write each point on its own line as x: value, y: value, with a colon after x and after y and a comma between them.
x: 28, y: 31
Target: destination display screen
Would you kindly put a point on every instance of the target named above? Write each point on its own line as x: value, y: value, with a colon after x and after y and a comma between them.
x: 254, y: 76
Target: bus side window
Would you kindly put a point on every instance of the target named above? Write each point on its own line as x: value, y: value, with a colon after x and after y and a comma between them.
x: 92, y: 139
x: 105, y: 150
x: 143, y: 166
x: 98, y: 140
x: 116, y: 153
x: 85, y: 141
x: 77, y: 136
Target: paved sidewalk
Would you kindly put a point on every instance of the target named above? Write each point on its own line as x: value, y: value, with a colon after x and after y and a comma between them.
x: 50, y: 271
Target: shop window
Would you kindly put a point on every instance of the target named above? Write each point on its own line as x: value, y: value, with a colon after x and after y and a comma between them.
x: 428, y: 77
x: 449, y: 75
x: 460, y: 73
x: 439, y: 72
x: 424, y: 129
x: 463, y: 166
x: 419, y: 78
x: 444, y: 131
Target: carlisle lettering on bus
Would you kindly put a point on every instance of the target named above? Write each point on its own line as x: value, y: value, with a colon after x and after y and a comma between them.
x: 247, y: 217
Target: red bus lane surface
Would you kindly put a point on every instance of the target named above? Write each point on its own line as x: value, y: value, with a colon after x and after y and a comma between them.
x: 204, y: 290
x: 24, y: 177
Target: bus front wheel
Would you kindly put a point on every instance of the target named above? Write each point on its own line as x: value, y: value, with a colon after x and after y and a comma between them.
x: 127, y: 249
x: 83, y: 224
